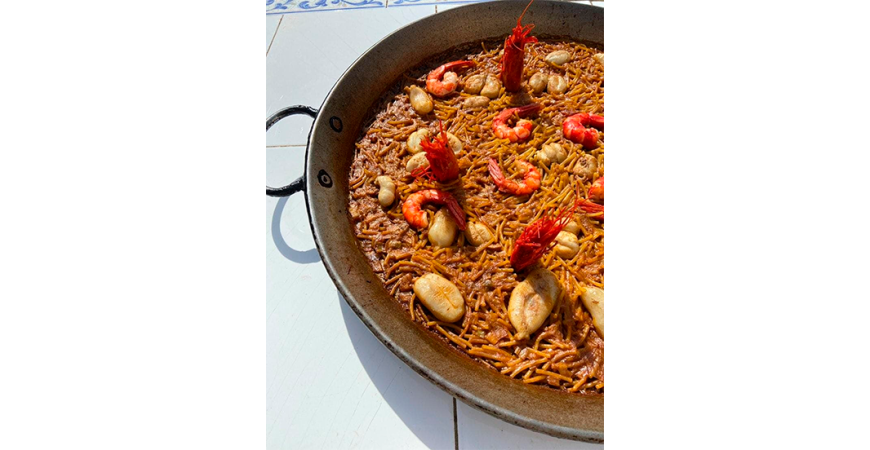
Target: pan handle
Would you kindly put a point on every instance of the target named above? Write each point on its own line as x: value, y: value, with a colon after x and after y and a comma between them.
x: 299, y: 183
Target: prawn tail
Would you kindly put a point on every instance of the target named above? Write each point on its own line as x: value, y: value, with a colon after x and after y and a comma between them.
x: 456, y: 212
x: 594, y: 210
x: 529, y: 109
x: 463, y: 64
x: 495, y: 172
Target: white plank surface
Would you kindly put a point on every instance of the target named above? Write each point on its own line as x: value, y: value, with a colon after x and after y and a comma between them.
x: 312, y: 50
x: 271, y: 27
x: 330, y: 383
x: 480, y: 431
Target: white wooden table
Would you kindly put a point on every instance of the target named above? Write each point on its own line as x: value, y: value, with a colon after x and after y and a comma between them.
x: 330, y: 383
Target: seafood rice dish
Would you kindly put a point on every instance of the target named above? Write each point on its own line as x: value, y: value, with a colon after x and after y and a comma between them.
x: 477, y: 196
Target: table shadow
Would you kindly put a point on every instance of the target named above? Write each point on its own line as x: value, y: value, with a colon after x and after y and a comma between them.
x: 300, y: 257
x: 413, y: 409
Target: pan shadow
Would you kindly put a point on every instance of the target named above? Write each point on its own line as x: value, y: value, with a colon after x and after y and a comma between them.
x: 300, y: 257
x: 426, y: 410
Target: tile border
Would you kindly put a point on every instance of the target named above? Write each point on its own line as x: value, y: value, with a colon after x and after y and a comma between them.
x: 274, y: 7
x: 302, y: 6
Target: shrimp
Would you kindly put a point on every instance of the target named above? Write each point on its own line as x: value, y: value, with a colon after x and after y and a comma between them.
x: 514, y: 47
x: 443, y: 165
x: 531, y: 180
x: 414, y: 214
x: 536, y: 239
x: 574, y: 129
x: 522, y: 130
x: 440, y: 88
x: 596, y: 192
x: 594, y: 210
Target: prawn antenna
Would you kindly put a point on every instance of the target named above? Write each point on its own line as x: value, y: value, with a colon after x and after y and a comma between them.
x: 524, y: 13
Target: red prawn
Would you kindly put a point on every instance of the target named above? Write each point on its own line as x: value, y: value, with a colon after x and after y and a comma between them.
x: 514, y: 47
x: 537, y: 238
x: 412, y: 208
x: 441, y: 81
x: 531, y: 180
x: 596, y: 194
x: 596, y: 191
x: 594, y: 210
x: 519, y: 132
x: 574, y: 129
x: 443, y: 165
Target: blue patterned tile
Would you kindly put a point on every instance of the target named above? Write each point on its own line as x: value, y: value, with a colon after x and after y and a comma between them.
x: 279, y: 6
x: 298, y: 6
x: 301, y: 6
x: 409, y: 2
x: 392, y: 3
